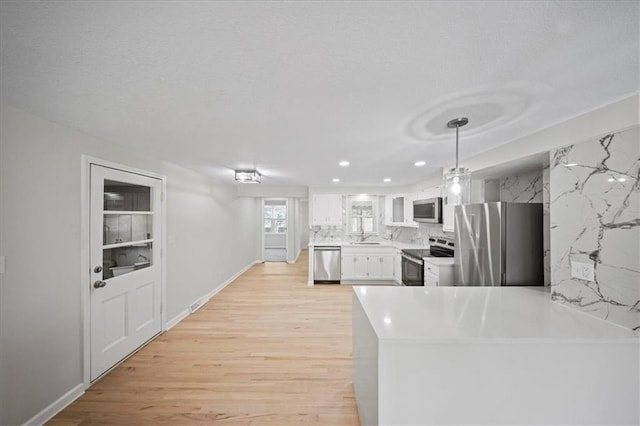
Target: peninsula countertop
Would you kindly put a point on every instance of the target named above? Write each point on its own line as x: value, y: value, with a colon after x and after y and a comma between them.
x: 469, y: 313
x: 488, y: 355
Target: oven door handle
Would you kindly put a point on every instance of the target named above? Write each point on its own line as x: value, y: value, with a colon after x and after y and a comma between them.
x: 411, y: 259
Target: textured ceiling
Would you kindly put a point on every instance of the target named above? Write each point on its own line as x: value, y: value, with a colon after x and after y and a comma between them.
x: 294, y: 87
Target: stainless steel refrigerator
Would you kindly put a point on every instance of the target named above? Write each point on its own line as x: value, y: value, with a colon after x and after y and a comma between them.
x: 498, y: 244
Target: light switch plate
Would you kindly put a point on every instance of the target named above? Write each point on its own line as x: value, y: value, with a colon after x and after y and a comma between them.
x: 582, y: 271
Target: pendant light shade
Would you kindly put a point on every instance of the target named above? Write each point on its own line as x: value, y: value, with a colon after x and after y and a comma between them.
x: 458, y: 179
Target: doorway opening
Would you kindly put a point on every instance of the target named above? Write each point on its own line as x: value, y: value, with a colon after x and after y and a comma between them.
x: 275, y: 226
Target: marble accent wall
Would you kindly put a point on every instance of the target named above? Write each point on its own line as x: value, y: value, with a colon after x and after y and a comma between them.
x: 595, y: 219
x: 532, y: 188
x: 522, y: 189
x: 546, y: 224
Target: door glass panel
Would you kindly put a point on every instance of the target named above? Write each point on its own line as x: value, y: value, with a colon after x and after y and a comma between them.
x: 268, y: 212
x: 122, y: 196
x: 281, y: 226
x: 279, y: 212
x: 125, y: 228
x: 268, y: 225
x: 123, y: 260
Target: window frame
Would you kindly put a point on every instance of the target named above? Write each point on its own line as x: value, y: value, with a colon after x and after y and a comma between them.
x: 374, y: 200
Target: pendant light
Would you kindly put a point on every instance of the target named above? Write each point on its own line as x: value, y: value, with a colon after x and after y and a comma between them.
x: 458, y: 179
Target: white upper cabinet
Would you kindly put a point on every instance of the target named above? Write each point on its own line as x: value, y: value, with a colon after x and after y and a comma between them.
x: 327, y: 210
x: 399, y: 210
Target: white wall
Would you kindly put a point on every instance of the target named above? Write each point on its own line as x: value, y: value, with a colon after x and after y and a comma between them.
x: 304, y: 223
x: 263, y: 191
x: 215, y: 235
x: 293, y: 238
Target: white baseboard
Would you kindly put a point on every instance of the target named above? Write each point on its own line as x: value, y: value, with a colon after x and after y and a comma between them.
x: 296, y: 259
x: 175, y: 320
x: 204, y: 299
x: 56, y: 406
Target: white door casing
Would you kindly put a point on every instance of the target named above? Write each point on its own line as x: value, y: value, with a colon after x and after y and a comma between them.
x: 125, y: 290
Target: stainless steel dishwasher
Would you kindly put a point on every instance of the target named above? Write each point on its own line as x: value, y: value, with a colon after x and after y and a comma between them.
x: 326, y: 265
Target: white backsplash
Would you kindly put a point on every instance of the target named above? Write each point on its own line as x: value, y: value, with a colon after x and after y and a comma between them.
x: 595, y: 218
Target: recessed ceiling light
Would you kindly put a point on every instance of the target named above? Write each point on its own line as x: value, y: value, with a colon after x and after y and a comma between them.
x: 335, y: 180
x: 344, y: 163
x: 420, y: 163
x: 387, y: 179
x: 571, y: 164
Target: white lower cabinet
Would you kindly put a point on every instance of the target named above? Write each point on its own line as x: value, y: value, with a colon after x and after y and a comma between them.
x: 361, y: 264
x: 354, y: 267
x: 437, y: 273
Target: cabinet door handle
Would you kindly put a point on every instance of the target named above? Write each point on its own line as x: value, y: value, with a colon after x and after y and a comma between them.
x: 380, y: 260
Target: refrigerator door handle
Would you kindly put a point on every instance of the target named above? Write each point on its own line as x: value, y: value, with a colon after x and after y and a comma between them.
x: 474, y: 228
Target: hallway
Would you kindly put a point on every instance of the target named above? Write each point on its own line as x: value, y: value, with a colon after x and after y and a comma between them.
x: 268, y: 349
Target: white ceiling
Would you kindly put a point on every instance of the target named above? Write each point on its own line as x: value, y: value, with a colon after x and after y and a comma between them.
x: 292, y: 88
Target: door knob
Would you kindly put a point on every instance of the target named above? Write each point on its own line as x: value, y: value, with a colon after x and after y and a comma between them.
x: 97, y: 269
x: 99, y: 284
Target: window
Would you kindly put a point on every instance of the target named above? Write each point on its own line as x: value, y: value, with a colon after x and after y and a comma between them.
x: 363, y: 214
x: 275, y: 217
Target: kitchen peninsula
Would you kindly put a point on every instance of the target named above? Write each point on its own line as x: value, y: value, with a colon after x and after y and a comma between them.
x: 488, y: 355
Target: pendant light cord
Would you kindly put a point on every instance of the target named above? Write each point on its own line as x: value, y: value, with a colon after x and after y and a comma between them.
x: 457, y: 128
x: 457, y: 122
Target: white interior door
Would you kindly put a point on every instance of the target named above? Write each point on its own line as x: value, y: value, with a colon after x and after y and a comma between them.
x: 125, y: 287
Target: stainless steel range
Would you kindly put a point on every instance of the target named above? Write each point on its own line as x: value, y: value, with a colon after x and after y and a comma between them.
x: 413, y: 265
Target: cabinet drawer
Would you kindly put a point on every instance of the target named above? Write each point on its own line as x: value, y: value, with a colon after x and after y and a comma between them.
x: 432, y: 269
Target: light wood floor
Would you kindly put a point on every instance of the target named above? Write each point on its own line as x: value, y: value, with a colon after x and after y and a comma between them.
x: 267, y: 349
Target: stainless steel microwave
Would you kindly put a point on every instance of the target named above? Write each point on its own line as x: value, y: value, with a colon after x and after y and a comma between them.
x: 429, y: 211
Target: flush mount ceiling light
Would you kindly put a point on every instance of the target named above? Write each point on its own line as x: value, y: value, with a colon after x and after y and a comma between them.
x: 387, y: 179
x: 457, y: 180
x: 419, y: 163
x: 335, y: 180
x: 248, y: 176
x: 344, y: 163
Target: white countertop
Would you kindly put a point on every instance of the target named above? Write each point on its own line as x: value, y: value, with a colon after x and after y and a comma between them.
x: 383, y: 243
x: 471, y: 313
x: 439, y: 261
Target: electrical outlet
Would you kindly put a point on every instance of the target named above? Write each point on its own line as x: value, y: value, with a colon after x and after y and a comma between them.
x: 582, y: 271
